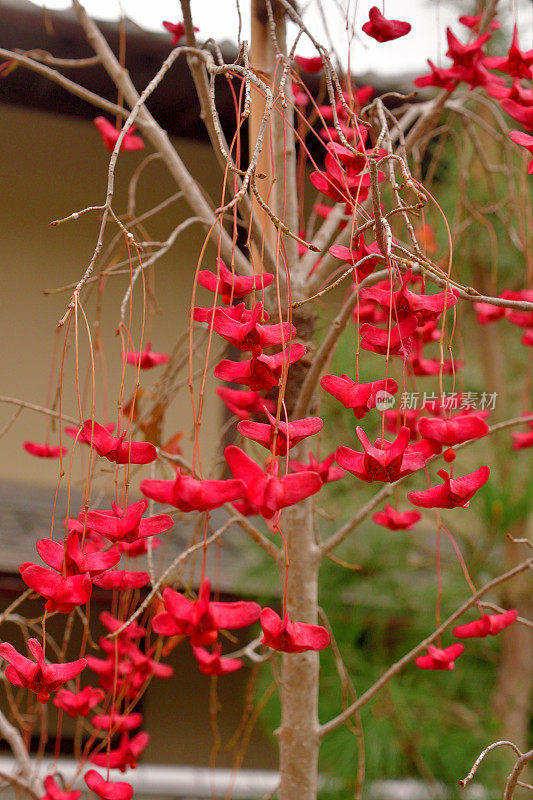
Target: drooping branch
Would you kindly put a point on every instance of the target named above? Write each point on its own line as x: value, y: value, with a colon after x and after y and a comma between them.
x: 486, y: 751
x: 339, y: 720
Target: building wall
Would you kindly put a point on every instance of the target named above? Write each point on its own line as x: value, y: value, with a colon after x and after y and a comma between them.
x: 51, y: 166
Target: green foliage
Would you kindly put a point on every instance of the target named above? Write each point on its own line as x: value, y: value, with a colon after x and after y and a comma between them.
x: 504, y: 505
x: 426, y: 724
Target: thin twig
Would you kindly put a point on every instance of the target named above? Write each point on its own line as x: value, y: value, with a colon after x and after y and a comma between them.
x: 41, y: 409
x: 482, y: 755
x: 70, y: 86
x: 11, y: 421
x: 163, y: 577
x: 15, y: 604
x: 107, y: 209
x: 339, y: 720
x: 160, y: 140
x: 337, y: 538
x: 47, y: 58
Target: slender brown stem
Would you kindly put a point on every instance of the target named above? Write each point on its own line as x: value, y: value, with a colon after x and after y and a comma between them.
x: 335, y: 723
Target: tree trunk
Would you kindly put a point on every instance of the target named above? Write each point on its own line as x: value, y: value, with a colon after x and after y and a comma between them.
x: 298, y: 734
x: 512, y: 698
x: 262, y: 59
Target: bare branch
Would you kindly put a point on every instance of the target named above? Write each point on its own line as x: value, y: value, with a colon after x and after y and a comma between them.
x: 335, y: 723
x: 343, y: 532
x: 482, y: 755
x: 70, y: 86
x: 265, y: 544
x: 16, y: 743
x: 47, y: 58
x: 512, y: 780
x: 159, y: 138
x: 49, y: 411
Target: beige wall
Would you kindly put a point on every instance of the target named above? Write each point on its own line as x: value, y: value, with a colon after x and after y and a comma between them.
x: 50, y: 166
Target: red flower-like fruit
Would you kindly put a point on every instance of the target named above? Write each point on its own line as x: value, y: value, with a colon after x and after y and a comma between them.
x: 487, y: 625
x: 396, y: 520
x: 440, y: 659
x: 110, y: 135
x: 191, y: 494
x: 177, y: 29
x: 146, y: 359
x: 230, y: 286
x: 291, y: 637
x: 213, y: 663
x: 54, y: 792
x: 114, y: 448
x: 310, y: 65
x: 382, y: 461
x: 38, y: 676
x: 382, y: 29
x: 62, y: 594
x: 108, y: 790
x: 43, y: 450
x: 452, y: 493
x: 80, y: 704
x: 202, y: 619
x: 287, y: 435
x: 524, y: 140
